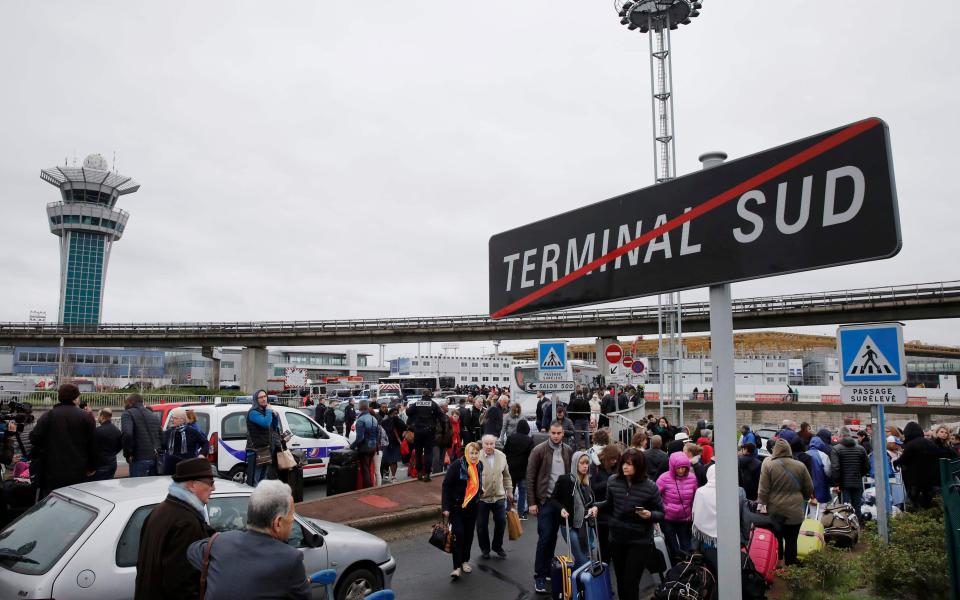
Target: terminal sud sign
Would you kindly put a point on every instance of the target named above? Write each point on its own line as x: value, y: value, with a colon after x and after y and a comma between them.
x: 822, y: 201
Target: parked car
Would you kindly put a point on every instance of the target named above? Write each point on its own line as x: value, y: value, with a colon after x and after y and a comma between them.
x: 82, y: 542
x: 226, y: 428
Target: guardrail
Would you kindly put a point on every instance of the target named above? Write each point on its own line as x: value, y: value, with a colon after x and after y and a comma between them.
x: 766, y: 305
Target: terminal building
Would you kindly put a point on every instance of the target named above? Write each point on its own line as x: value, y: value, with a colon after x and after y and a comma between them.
x: 485, y: 370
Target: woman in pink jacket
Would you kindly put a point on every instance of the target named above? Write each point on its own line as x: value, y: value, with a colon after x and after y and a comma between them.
x: 678, y: 486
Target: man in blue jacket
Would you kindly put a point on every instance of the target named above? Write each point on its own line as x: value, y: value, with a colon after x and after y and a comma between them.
x: 366, y: 442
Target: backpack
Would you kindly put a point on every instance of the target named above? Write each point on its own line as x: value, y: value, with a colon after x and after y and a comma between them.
x: 753, y: 585
x: 339, y: 412
x: 840, y: 525
x: 688, y: 580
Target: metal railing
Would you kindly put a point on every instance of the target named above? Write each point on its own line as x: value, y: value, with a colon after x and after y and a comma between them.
x: 693, y: 310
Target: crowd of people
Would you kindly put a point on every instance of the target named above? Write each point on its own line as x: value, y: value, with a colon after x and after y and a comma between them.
x: 562, y: 464
x: 617, y: 496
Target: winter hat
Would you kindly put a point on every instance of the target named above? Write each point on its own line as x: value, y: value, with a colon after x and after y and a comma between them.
x: 193, y: 469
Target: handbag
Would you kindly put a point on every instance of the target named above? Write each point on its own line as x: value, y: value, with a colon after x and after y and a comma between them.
x: 514, y: 527
x: 285, y: 460
x: 441, y: 537
x: 264, y: 456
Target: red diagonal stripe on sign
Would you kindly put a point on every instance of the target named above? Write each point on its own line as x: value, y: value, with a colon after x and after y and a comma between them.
x: 794, y: 161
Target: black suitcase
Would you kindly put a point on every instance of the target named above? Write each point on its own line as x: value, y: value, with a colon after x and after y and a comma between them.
x: 343, y: 456
x: 341, y: 478
x: 294, y: 478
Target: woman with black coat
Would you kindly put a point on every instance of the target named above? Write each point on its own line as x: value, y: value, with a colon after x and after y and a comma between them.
x: 599, y: 475
x: 635, y: 508
x: 394, y: 426
x: 462, y: 488
x: 919, y: 465
x: 518, y: 447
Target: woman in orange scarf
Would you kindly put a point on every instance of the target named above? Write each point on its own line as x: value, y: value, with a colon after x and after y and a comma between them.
x: 461, y: 489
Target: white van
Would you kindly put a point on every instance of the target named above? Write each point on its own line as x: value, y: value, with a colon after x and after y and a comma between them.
x: 226, y: 428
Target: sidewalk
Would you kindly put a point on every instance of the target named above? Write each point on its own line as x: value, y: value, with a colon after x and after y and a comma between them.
x: 379, y: 507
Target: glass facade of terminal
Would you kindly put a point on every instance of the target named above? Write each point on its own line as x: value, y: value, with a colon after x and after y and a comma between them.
x: 89, y: 362
x: 84, y: 278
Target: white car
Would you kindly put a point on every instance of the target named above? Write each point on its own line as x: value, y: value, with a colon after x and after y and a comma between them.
x: 226, y: 428
x: 82, y: 542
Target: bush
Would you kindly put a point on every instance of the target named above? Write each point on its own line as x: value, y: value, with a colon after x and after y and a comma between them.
x: 822, y: 575
x: 914, y: 563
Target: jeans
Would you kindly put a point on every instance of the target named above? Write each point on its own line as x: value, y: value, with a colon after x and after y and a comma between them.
x: 521, y: 496
x: 855, y: 497
x: 548, y: 523
x: 499, y: 510
x: 255, y: 474
x: 367, y: 476
x: 143, y: 468
x: 580, y: 556
x: 581, y: 428
x: 105, y: 472
x: 678, y: 536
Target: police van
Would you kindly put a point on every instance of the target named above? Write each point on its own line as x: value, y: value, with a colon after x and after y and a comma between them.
x: 226, y: 427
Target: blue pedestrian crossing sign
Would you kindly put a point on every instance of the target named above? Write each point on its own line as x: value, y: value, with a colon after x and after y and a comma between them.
x: 552, y: 356
x: 872, y: 354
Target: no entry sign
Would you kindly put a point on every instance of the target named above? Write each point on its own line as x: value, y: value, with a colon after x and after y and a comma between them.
x: 822, y: 201
x: 613, y: 353
x: 627, y: 361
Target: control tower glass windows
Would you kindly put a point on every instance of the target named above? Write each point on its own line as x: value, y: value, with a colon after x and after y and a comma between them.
x: 81, y: 302
x: 91, y: 196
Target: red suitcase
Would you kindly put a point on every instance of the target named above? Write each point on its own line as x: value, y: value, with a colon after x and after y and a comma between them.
x: 763, y: 552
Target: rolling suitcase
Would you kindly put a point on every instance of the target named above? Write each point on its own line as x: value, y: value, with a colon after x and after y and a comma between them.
x: 592, y: 580
x: 561, y: 571
x: 811, y: 534
x: 762, y: 549
x: 655, y: 575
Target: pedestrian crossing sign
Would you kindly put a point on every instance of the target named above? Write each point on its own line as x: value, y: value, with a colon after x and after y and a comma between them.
x: 872, y: 354
x: 552, y: 356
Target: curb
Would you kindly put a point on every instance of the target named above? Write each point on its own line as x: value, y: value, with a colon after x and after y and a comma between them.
x: 407, y: 517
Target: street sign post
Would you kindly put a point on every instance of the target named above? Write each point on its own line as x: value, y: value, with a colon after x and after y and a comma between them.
x: 831, y: 196
x: 550, y: 386
x: 873, y: 395
x: 822, y: 201
x: 873, y: 369
x: 552, y: 356
x: 613, y: 353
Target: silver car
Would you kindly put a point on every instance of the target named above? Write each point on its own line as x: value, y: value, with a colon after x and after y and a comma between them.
x: 82, y: 542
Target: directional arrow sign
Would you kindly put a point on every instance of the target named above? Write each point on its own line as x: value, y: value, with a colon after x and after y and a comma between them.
x: 550, y: 386
x: 822, y: 201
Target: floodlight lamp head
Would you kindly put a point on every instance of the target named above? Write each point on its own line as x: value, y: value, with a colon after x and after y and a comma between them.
x: 656, y: 14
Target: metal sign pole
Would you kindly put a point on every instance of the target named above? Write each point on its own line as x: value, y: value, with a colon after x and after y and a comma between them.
x: 724, y: 431
x: 881, y: 483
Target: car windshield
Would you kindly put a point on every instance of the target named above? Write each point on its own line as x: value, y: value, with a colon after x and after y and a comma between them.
x: 36, y: 542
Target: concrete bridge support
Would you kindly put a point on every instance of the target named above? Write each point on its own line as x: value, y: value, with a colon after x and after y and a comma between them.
x: 254, y: 369
x: 214, y: 355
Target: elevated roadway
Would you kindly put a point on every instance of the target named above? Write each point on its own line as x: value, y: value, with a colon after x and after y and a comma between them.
x: 895, y: 303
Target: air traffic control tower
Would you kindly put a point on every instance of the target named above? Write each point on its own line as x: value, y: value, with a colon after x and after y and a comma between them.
x: 87, y: 222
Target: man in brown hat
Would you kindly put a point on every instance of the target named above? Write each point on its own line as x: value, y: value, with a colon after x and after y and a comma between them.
x: 163, y: 572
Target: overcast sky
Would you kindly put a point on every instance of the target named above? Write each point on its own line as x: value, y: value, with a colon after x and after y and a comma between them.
x: 332, y: 160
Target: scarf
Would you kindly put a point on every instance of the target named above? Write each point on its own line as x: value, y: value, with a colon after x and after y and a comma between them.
x: 180, y: 432
x: 471, y: 474
x: 184, y: 496
x: 705, y: 510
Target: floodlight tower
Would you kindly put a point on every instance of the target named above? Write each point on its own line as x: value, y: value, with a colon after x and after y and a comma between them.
x: 658, y: 18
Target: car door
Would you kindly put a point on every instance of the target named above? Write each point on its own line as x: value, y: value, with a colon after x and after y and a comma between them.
x: 312, y: 440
